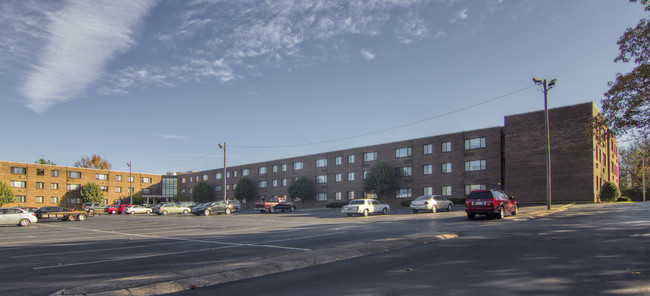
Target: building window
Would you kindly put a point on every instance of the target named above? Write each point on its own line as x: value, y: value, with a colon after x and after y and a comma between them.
x: 182, y: 180
x: 54, y: 200
x: 74, y: 175
x: 118, y: 189
x: 54, y: 186
x: 205, y: 178
x: 474, y: 165
x: 351, y: 176
x: 403, y: 152
x: 197, y: 177
x: 446, y: 146
x: 321, y: 163
x: 130, y: 179
x: 101, y: 177
x: 275, y: 183
x: 365, y: 174
x: 338, y: 195
x: 40, y: 185
x: 321, y: 179
x: 471, y: 187
x: 262, y: 184
x: 118, y: 178
x: 73, y: 187
x: 131, y: 191
x: 182, y: 190
x: 403, y: 172
x: 428, y: 191
x: 370, y: 156
x: 54, y: 173
x: 261, y: 170
x: 351, y: 158
x: 284, y: 182
x: 275, y: 168
x: 428, y: 169
x: 146, y: 190
x: 104, y: 188
x: 339, y: 160
x: 445, y: 190
x: 18, y: 171
x: 218, y: 188
x: 339, y: 177
x: 297, y: 166
x: 475, y: 143
x: 148, y: 180
x: 350, y: 195
x: 428, y: 149
x: 73, y: 200
x: 217, y: 176
x: 39, y: 199
x: 18, y: 184
x: 321, y: 197
x: 446, y: 168
x: 20, y: 198
x: 245, y: 172
x: 40, y: 172
x: 403, y: 193
x: 284, y: 167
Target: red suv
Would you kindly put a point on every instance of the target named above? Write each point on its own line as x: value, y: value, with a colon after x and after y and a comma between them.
x: 492, y: 203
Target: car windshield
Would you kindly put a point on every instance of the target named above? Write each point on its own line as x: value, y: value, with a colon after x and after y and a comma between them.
x: 357, y: 202
x: 424, y: 197
x: 480, y: 195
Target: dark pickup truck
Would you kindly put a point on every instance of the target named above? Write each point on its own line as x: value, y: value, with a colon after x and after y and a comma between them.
x: 274, y: 204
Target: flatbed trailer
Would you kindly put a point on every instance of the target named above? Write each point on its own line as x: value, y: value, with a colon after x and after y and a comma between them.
x: 65, y: 216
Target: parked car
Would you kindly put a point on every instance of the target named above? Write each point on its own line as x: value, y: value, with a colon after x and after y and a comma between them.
x: 136, y: 209
x: 171, y: 208
x: 206, y: 209
x: 491, y: 203
x: 186, y: 204
x: 30, y: 209
x: 365, y: 207
x: 431, y: 203
x: 92, y: 207
x: 116, y: 209
x: 52, y: 210
x: 17, y: 216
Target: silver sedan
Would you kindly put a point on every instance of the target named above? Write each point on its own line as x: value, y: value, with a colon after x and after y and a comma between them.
x: 431, y: 203
x: 137, y: 209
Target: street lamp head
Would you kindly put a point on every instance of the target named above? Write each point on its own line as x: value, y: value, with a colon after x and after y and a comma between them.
x: 552, y: 83
x: 537, y: 80
x: 220, y: 147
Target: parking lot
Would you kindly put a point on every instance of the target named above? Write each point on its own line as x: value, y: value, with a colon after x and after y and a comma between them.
x: 53, y: 255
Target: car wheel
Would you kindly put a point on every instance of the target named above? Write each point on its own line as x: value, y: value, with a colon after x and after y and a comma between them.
x: 91, y: 211
x: 449, y: 207
x: 291, y: 209
x: 471, y: 216
x: 206, y: 212
x: 434, y: 209
x: 24, y: 222
x: 501, y: 213
x: 262, y: 211
x: 185, y: 212
x: 365, y: 213
x: 415, y: 211
x: 148, y: 212
x: 271, y: 210
x: 81, y: 217
x: 227, y: 211
x: 516, y: 211
x: 349, y: 215
x: 384, y: 211
x: 164, y: 212
x: 70, y: 218
x: 132, y: 212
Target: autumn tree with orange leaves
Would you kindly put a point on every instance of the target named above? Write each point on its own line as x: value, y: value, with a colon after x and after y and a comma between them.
x: 94, y: 162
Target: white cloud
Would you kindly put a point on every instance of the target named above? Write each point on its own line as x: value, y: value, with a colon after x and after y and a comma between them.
x: 460, y: 15
x: 172, y: 136
x: 367, y: 55
x: 82, y: 37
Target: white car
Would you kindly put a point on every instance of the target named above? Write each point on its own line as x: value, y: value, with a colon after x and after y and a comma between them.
x: 16, y: 216
x: 137, y: 209
x: 365, y: 207
x: 431, y: 203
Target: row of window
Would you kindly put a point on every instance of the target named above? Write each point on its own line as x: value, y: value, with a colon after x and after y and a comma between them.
x: 52, y: 199
x: 55, y: 186
x: 405, y: 192
x: 76, y: 175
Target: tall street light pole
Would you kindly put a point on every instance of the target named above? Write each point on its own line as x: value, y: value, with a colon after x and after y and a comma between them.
x: 546, y: 87
x: 130, y: 180
x: 225, y: 183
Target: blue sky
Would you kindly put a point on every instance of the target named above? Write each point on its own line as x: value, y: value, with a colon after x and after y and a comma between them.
x: 161, y: 83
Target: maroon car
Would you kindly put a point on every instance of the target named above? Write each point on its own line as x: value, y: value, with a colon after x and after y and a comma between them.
x: 116, y: 209
x: 491, y: 203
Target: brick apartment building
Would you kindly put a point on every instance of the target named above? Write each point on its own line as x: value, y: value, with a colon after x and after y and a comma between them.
x: 510, y: 158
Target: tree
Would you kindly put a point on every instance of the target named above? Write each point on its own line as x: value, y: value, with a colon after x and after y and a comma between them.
x: 243, y: 189
x: 300, y: 189
x: 201, y: 192
x: 631, y: 168
x: 609, y: 192
x: 6, y: 194
x: 43, y: 161
x: 379, y: 179
x: 93, y: 162
x: 626, y: 108
x: 91, y: 192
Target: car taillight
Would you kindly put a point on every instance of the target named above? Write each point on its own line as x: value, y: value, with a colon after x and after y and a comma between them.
x: 467, y: 202
x: 426, y: 203
x: 493, y: 203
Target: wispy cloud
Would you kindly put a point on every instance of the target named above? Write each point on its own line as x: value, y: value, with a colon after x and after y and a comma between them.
x: 172, y: 136
x: 81, y: 38
x: 367, y: 55
x: 460, y: 16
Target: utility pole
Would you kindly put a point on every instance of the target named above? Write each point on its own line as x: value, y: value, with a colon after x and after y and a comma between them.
x: 130, y: 180
x: 225, y: 180
x: 546, y: 87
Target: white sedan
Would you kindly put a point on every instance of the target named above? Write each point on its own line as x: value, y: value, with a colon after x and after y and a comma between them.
x: 365, y: 207
x: 137, y: 209
x: 17, y: 216
x: 431, y: 203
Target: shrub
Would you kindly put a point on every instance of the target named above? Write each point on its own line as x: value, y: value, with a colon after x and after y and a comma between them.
x: 406, y: 203
x: 336, y: 204
x: 609, y: 192
x: 623, y: 198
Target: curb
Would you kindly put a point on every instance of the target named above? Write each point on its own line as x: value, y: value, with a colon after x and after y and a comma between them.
x: 172, y: 282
